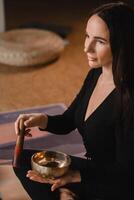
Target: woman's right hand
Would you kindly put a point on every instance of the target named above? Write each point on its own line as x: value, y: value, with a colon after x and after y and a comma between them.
x: 31, y: 120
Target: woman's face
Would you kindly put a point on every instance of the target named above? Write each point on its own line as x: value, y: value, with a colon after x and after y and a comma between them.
x: 97, y: 43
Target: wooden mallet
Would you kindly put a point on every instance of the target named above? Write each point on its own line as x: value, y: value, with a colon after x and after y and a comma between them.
x: 19, y: 145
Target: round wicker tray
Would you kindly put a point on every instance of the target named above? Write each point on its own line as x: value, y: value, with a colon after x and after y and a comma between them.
x: 28, y: 47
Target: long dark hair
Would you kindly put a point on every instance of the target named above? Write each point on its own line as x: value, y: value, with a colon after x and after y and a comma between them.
x: 119, y: 18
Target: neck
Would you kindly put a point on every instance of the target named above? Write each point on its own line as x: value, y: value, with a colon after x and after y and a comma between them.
x: 107, y: 75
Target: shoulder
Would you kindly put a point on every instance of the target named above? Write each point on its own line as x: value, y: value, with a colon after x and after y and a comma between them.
x: 93, y: 74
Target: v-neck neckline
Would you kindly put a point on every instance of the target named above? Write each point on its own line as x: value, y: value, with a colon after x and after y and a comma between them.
x: 97, y: 108
x: 89, y: 96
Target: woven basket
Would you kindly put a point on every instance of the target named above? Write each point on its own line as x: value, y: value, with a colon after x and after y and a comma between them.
x: 28, y: 47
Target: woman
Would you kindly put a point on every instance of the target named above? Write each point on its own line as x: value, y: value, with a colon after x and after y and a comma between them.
x: 102, y: 112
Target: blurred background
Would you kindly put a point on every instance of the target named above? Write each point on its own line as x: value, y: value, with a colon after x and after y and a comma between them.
x: 23, y: 87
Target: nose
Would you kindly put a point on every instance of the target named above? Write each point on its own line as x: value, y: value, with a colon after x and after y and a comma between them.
x: 89, y: 47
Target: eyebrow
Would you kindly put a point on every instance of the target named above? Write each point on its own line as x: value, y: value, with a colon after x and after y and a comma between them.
x: 97, y: 37
x: 100, y: 38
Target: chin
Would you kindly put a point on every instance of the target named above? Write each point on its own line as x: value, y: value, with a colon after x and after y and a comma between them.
x: 94, y: 66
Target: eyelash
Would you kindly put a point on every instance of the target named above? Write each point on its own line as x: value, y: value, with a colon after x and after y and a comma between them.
x: 101, y: 42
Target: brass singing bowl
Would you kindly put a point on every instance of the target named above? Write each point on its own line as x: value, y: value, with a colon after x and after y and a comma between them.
x: 50, y: 164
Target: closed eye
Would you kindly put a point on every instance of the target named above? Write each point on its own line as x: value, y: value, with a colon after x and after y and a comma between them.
x: 101, y: 42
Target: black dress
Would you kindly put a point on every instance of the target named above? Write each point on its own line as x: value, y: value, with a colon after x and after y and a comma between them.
x: 108, y: 169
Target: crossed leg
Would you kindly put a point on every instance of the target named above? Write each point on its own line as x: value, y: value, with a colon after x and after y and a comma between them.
x: 66, y: 194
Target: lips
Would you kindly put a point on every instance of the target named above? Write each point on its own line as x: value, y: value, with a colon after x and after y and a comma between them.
x: 92, y: 59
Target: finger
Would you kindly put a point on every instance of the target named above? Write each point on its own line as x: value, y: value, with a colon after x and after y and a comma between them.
x: 17, y: 126
x: 17, y: 122
x: 32, y: 172
x: 35, y: 176
x: 56, y: 185
x: 30, y: 122
x: 27, y: 133
x: 27, y: 130
x: 39, y: 179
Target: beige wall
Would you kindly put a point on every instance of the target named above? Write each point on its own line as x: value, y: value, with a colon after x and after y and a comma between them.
x: 2, y: 16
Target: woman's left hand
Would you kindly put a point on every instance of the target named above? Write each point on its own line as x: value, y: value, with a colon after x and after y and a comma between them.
x: 69, y: 177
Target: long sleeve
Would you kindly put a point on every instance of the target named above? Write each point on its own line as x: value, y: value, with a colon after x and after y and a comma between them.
x: 65, y: 123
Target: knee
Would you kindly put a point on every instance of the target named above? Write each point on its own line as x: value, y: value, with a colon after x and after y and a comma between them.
x: 66, y: 194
